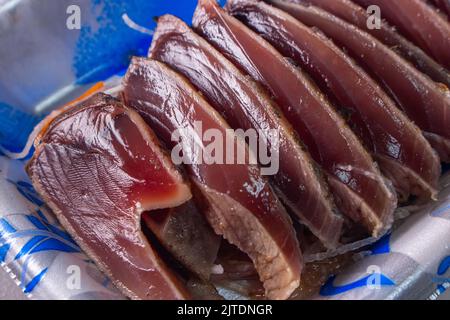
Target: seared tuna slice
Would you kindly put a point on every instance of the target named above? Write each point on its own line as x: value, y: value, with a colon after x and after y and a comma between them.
x: 420, y: 23
x: 425, y: 102
x: 98, y: 166
x: 356, y: 183
x: 353, y: 13
x: 398, y: 145
x: 240, y: 204
x: 245, y: 106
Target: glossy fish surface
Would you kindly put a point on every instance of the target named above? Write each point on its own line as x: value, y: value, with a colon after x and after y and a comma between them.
x: 239, y: 203
x: 356, y: 15
x: 420, y: 23
x: 356, y: 183
x: 398, y: 145
x: 245, y: 105
x: 425, y: 102
x: 98, y: 166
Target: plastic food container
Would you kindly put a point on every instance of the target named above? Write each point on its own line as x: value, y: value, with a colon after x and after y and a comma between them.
x: 51, y: 52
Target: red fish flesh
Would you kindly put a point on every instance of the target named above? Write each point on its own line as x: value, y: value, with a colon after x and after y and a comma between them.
x: 245, y: 106
x: 99, y: 166
x: 420, y: 23
x: 239, y: 203
x: 354, y: 14
x: 356, y: 183
x: 425, y: 102
x: 404, y: 155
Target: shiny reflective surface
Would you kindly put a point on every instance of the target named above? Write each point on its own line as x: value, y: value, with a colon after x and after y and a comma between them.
x: 431, y: 32
x: 385, y: 131
x: 354, y: 14
x: 356, y: 183
x: 425, y: 102
x: 246, y: 106
x: 239, y: 203
x: 98, y: 166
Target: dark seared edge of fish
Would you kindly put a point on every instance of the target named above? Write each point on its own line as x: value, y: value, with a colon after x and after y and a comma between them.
x: 404, y: 155
x: 99, y: 166
x: 420, y: 23
x: 184, y: 232
x: 241, y: 206
x: 354, y: 14
x: 425, y: 102
x: 357, y: 185
x: 443, y: 6
x: 245, y: 105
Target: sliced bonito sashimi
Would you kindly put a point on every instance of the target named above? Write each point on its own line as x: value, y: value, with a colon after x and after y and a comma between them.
x: 355, y: 181
x: 420, y: 23
x: 98, y: 166
x: 398, y: 145
x: 245, y: 105
x: 425, y: 102
x: 356, y: 15
x: 239, y: 203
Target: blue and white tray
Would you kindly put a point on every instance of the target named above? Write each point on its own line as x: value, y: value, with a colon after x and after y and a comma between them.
x: 51, y: 51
